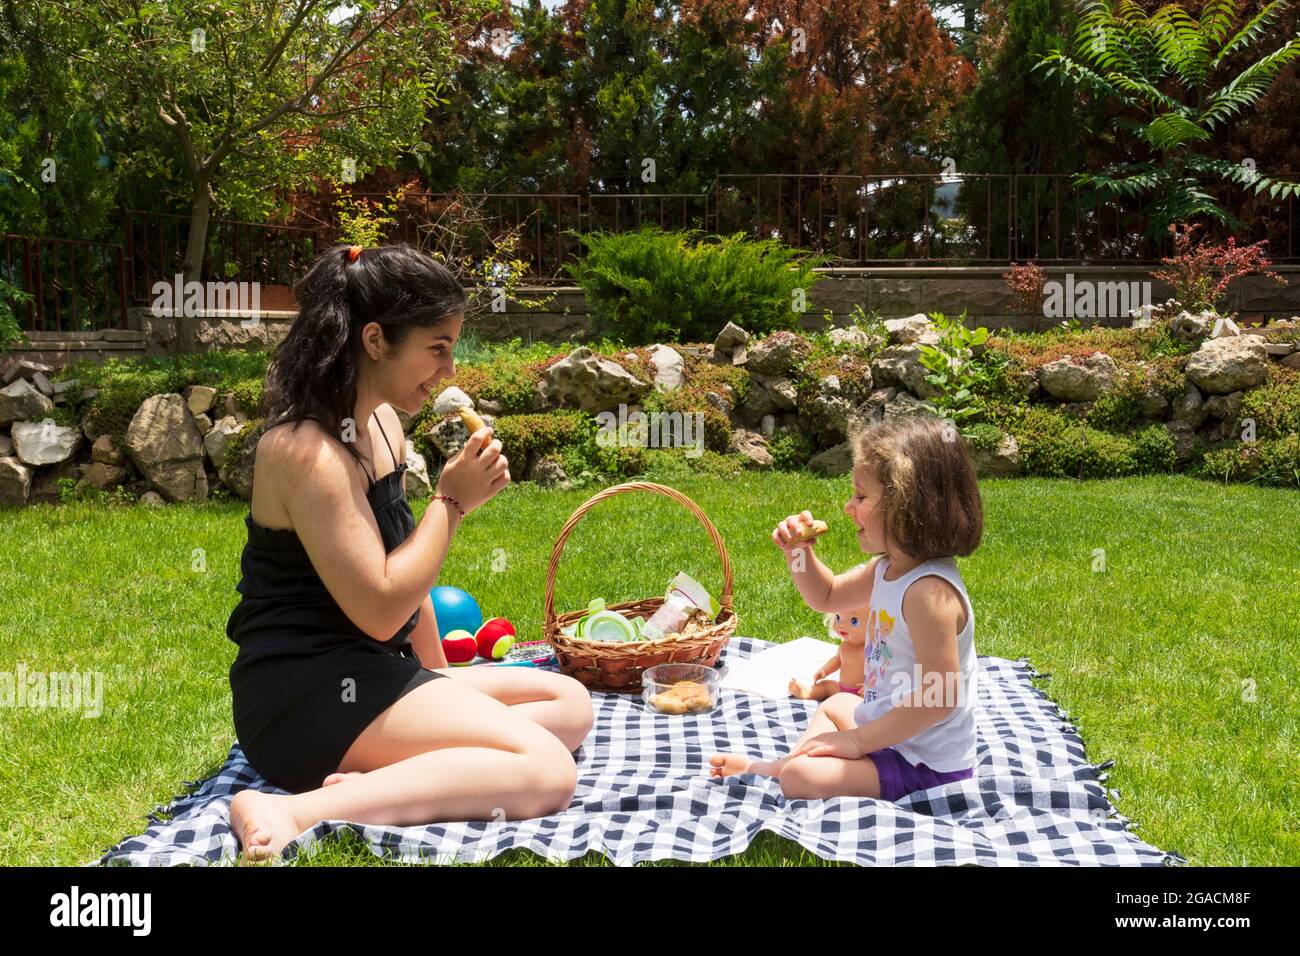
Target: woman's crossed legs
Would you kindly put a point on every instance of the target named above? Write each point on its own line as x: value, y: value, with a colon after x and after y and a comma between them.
x: 484, y: 745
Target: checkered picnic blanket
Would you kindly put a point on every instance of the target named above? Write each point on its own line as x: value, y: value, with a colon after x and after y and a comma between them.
x: 644, y: 794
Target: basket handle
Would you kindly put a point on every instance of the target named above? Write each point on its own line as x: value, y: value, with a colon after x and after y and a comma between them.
x: 724, y: 602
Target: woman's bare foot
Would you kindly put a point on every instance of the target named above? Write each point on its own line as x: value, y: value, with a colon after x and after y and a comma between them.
x: 727, y: 765
x: 263, y: 823
x: 340, y: 777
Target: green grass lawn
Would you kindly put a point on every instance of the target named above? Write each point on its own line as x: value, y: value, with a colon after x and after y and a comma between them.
x: 1179, y: 660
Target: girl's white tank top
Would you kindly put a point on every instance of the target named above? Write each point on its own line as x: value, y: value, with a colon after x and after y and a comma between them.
x: 891, y: 670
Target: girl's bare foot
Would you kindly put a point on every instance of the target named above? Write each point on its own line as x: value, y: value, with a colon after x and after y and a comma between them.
x: 340, y: 777
x: 263, y: 823
x: 802, y: 691
x: 727, y: 765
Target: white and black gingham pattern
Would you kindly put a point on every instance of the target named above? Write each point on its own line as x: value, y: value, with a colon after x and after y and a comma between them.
x: 644, y: 794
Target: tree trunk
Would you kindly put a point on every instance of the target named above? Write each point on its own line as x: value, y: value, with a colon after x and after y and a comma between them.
x: 196, y: 245
x: 192, y: 266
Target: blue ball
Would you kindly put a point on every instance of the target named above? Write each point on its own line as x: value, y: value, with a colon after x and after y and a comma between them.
x: 455, y: 609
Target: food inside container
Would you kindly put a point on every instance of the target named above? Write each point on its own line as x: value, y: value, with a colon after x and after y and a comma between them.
x: 680, y: 688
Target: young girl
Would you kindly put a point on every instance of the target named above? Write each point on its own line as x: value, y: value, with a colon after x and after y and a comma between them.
x: 915, y: 503
x: 851, y: 629
x: 340, y: 691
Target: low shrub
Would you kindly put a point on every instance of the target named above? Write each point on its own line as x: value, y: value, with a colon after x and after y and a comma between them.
x: 655, y: 286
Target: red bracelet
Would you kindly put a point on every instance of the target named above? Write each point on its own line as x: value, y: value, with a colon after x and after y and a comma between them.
x: 452, y: 500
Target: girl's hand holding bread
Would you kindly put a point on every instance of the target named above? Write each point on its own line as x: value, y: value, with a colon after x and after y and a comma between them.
x: 796, y: 531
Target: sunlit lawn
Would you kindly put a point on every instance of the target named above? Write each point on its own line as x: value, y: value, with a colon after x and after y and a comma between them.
x: 1179, y: 660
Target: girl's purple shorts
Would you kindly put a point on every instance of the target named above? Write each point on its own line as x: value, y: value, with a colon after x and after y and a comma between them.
x: 898, y: 778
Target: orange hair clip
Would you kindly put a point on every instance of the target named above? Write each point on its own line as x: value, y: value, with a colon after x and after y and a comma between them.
x: 354, y: 253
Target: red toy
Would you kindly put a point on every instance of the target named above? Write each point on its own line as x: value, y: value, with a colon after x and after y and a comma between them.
x: 495, y: 638
x: 460, y: 648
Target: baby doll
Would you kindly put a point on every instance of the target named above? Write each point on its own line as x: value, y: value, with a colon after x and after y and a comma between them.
x: 850, y: 628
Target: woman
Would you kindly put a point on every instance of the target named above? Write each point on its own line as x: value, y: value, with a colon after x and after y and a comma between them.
x: 341, y: 692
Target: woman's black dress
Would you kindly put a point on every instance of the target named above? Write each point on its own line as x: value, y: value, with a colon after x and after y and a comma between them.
x: 306, y: 680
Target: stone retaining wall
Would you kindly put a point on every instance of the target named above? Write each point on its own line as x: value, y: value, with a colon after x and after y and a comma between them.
x: 893, y: 292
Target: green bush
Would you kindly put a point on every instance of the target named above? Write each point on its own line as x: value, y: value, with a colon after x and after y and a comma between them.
x: 523, y: 435
x: 1274, y: 461
x: 1155, y: 450
x: 1116, y: 410
x: 789, y: 449
x: 656, y: 286
x: 1275, y: 405
x: 688, y: 400
x: 248, y: 395
x: 1055, y: 446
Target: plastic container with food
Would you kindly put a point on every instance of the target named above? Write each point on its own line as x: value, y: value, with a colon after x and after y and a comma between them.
x: 679, y: 689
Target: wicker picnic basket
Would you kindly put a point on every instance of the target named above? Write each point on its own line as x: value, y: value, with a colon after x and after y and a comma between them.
x: 617, y: 665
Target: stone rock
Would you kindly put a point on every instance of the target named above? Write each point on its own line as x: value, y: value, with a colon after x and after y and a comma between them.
x: 42, y: 384
x: 833, y: 461
x: 1223, y: 326
x: 15, y: 482
x: 904, y: 405
x: 767, y: 396
x: 232, y: 408
x: 1184, y: 436
x: 416, y: 479
x: 1000, y: 462
x: 1278, y: 349
x: 669, y: 366
x: 589, y: 382
x: 168, y: 449
x: 44, y: 442
x: 105, y: 449
x: 450, y: 401
x: 854, y: 337
x: 1226, y: 408
x: 912, y: 329
x: 882, y: 396
x: 203, y: 424
x: 6, y: 446
x: 488, y: 407
x: 1229, y: 364
x: 730, y: 347
x: 24, y: 369
x: 152, y: 499
x: 201, y: 398
x: 20, y: 402
x: 776, y: 355
x: 215, y: 441
x: 1076, y: 379
x: 1186, y: 327
x: 45, y: 482
x: 719, y: 402
x: 1189, y: 407
x: 449, y: 435
x: 548, y: 472
x: 1152, y: 404
x: 1029, y: 378
x: 1292, y: 361
x: 63, y: 388
x: 901, y: 365
x: 238, y: 475
x: 102, y: 476
x: 753, y: 445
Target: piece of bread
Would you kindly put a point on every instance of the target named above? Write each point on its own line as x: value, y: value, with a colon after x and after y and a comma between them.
x: 813, y: 530
x: 471, y: 419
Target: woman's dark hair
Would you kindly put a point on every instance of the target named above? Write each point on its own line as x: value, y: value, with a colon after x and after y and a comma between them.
x: 313, y: 371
